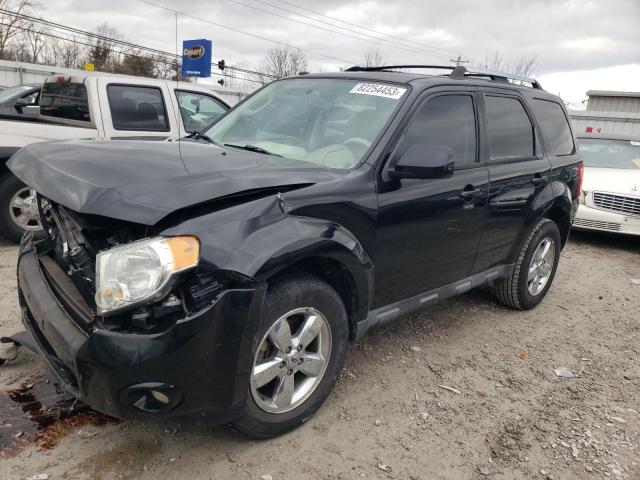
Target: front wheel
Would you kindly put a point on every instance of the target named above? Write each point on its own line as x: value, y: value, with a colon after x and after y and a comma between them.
x: 299, y: 354
x: 18, y: 209
x: 534, y: 270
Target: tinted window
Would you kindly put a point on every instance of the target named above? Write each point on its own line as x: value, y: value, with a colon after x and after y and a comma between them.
x: 554, y: 125
x: 510, y: 130
x: 65, y: 100
x: 137, y: 108
x: 198, y: 110
x: 445, y: 121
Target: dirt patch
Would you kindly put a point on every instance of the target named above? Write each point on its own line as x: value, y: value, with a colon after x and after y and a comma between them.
x: 506, y: 416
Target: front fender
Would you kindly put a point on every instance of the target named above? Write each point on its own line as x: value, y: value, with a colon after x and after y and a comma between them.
x: 257, y: 239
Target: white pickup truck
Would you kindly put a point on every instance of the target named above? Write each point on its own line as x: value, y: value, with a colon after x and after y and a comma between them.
x: 97, y: 106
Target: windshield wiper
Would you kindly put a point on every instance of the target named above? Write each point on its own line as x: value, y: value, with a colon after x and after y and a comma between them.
x: 196, y: 135
x: 252, y: 148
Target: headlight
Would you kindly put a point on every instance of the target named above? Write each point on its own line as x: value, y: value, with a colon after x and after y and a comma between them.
x: 141, y: 271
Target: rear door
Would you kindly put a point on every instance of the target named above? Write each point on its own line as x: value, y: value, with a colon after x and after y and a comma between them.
x: 518, y: 173
x: 132, y: 108
x: 198, y: 110
x: 429, y: 229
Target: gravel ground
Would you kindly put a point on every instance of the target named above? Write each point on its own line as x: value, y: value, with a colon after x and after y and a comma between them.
x: 463, y: 390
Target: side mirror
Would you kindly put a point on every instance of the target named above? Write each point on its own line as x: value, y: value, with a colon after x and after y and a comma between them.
x: 424, y: 160
x: 20, y: 104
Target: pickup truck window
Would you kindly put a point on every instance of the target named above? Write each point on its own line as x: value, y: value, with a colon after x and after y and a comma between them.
x: 510, y: 129
x: 555, y: 126
x: 445, y: 121
x: 135, y: 107
x: 65, y: 100
x: 198, y: 110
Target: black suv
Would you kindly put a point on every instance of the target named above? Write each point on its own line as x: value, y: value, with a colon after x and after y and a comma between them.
x: 223, y: 275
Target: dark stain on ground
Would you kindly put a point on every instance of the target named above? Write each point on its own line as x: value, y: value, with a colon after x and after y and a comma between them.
x: 40, y: 412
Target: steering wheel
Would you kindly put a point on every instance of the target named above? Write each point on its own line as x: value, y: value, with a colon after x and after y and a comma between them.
x: 357, y: 141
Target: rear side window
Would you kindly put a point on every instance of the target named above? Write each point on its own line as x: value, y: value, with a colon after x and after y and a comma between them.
x: 510, y: 129
x: 554, y: 125
x: 445, y: 121
x: 65, y: 100
x: 137, y: 108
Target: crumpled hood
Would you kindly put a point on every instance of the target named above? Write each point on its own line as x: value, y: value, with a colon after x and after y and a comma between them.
x: 144, y: 181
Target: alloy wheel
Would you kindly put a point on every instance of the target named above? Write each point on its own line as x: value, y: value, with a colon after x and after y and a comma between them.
x: 291, y: 360
x: 23, y: 209
x: 541, y: 266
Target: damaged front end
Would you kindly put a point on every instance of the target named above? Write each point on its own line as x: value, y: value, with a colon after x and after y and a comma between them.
x: 182, y: 352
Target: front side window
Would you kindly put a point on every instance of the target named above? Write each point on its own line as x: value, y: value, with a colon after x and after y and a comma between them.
x: 554, y: 125
x: 328, y: 122
x: 198, y: 110
x: 445, y: 121
x: 65, y: 100
x: 605, y: 153
x: 135, y: 107
x: 510, y: 129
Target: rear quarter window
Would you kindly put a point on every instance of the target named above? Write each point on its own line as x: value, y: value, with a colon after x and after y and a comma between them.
x: 65, y: 100
x: 555, y: 126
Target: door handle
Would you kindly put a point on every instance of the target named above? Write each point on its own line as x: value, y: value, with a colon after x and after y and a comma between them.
x: 538, y: 180
x: 467, y: 194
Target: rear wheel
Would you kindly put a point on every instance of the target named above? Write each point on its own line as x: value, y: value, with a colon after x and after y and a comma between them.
x: 534, y: 270
x: 300, y: 351
x: 18, y: 209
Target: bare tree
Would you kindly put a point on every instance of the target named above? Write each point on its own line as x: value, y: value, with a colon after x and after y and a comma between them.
x: 32, y: 43
x: 523, y: 65
x: 283, y: 62
x: 11, y: 25
x: 373, y: 58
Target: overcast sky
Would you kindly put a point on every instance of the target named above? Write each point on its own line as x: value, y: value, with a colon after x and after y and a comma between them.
x: 580, y: 45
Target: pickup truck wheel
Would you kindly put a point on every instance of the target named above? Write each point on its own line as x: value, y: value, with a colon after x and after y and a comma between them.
x: 534, y: 270
x: 298, y: 356
x: 18, y: 209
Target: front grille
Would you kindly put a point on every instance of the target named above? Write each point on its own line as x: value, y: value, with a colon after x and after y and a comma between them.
x: 617, y: 203
x: 613, y: 227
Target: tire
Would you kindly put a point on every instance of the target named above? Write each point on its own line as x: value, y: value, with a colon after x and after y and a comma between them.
x: 520, y: 292
x: 307, y: 295
x: 10, y: 186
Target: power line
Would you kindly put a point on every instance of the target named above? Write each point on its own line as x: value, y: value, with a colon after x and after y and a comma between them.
x: 362, y: 27
x: 386, y: 44
x: 115, y: 41
x: 237, y: 30
x: 119, y: 52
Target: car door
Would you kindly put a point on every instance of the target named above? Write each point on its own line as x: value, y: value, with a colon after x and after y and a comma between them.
x: 518, y: 173
x: 429, y: 229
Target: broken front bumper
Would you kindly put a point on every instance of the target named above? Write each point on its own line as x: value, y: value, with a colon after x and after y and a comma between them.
x: 200, y: 366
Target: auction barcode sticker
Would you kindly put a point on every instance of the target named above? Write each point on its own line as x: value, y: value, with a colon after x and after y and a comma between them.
x: 634, y: 143
x: 379, y: 90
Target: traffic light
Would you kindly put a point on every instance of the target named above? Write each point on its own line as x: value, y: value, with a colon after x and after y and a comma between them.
x: 221, y: 82
x: 221, y: 65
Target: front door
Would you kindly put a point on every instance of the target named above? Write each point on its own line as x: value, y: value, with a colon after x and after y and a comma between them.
x: 429, y: 229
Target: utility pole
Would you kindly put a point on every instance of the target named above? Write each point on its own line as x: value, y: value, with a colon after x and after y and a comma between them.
x: 458, y: 61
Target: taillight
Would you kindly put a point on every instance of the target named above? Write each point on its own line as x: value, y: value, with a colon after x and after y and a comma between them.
x: 580, y: 177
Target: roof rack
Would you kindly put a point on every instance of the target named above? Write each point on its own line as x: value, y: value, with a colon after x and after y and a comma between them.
x: 458, y: 73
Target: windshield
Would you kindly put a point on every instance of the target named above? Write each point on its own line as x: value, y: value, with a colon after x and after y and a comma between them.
x: 10, y: 93
x: 327, y: 122
x: 603, y: 153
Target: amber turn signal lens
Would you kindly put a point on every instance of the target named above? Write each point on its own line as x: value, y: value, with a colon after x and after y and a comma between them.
x: 185, y: 251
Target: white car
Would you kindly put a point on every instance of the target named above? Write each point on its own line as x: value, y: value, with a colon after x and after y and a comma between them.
x: 611, y: 187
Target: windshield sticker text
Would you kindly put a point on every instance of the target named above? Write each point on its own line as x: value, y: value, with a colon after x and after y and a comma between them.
x: 379, y: 90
